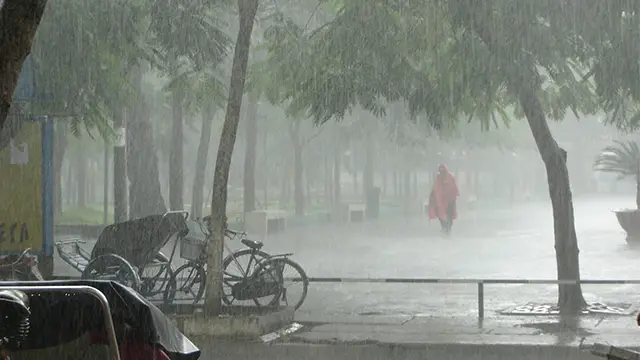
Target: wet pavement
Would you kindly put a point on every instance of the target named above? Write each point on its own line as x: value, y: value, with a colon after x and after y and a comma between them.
x: 509, y: 243
x: 417, y: 337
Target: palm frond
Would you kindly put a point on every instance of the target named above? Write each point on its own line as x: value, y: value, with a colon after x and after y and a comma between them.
x: 623, y: 158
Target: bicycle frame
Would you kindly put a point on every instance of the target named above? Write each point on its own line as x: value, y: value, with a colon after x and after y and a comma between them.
x: 232, y: 235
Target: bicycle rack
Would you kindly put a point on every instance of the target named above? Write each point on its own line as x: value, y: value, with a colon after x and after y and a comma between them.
x: 81, y: 289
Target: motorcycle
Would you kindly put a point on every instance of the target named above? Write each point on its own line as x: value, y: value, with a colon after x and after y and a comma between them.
x: 85, y: 320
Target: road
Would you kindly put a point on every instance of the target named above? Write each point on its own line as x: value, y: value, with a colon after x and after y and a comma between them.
x: 507, y: 243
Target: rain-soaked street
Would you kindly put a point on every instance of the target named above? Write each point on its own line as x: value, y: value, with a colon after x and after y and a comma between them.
x: 507, y: 243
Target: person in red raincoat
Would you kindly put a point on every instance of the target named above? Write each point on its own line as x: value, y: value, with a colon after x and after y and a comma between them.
x: 442, y: 201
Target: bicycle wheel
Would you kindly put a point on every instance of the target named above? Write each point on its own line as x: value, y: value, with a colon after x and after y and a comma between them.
x: 190, y: 280
x: 274, y: 271
x: 156, y: 277
x: 112, y: 267
x: 235, y: 270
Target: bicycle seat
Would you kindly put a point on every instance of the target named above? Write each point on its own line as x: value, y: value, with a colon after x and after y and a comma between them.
x: 253, y: 244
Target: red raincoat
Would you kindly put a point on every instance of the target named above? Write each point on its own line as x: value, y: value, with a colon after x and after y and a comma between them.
x: 444, y: 192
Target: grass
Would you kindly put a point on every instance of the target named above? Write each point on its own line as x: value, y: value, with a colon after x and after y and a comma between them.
x: 91, y: 215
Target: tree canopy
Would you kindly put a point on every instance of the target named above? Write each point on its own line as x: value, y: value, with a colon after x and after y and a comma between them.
x: 84, y: 53
x: 436, y: 56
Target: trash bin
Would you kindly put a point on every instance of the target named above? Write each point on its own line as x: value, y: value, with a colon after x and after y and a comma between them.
x: 373, y: 203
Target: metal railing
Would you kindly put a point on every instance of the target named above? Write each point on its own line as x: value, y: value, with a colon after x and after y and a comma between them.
x: 479, y: 282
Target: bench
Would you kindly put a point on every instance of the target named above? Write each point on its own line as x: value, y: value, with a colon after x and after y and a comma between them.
x: 350, y: 213
x: 263, y: 223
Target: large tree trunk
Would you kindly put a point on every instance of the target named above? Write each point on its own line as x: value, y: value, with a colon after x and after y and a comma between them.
x: 176, y: 176
x: 19, y: 20
x: 249, y: 186
x: 145, y: 194
x: 247, y: 13
x: 555, y: 160
x: 201, y: 162
x: 60, y: 142
x: 523, y: 82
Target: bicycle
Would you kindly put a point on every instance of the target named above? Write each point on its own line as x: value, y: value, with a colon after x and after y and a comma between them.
x: 262, y: 277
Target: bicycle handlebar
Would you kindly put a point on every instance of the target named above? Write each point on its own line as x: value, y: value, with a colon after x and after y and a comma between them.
x: 234, y: 233
x: 204, y: 227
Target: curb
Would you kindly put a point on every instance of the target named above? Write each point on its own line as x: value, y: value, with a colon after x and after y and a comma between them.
x: 232, y: 327
x: 349, y: 351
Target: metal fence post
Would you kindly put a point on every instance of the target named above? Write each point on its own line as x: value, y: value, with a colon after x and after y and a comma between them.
x: 480, y: 300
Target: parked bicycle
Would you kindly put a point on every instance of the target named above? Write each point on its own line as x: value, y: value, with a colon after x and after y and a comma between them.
x: 262, y: 280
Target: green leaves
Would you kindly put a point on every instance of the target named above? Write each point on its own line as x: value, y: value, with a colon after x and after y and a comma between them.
x: 81, y: 53
x: 584, y: 55
x: 190, y: 29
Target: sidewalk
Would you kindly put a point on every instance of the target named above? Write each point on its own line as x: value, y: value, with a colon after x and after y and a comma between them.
x: 415, y: 337
x: 505, y: 330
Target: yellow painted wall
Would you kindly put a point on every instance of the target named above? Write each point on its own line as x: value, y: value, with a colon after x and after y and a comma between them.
x: 21, y: 191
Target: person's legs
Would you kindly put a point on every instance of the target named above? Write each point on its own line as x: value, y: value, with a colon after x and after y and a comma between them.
x: 443, y: 224
x: 450, y: 210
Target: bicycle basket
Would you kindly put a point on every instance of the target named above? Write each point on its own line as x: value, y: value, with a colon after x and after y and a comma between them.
x: 192, y: 248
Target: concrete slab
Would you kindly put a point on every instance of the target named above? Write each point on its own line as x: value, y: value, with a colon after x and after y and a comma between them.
x: 631, y: 341
x: 243, y: 326
x: 618, y: 324
x: 354, y: 319
x: 412, y: 338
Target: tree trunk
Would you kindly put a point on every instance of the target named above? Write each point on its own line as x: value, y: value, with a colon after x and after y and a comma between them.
x: 367, y: 173
x: 81, y: 178
x: 638, y: 193
x: 308, y: 183
x: 60, y: 143
x: 570, y: 298
x: 266, y: 174
x: 19, y: 20
x: 298, y: 184
x: 396, y: 184
x: 105, y: 186
x: 327, y: 179
x: 384, y: 174
x: 176, y: 176
x: 145, y: 194
x: 201, y: 162
x: 68, y: 195
x: 247, y: 13
x: 249, y: 186
x: 356, y: 185
x: 406, y: 176
x: 522, y: 83
x: 337, y: 166
x: 120, y: 168
x: 298, y: 170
